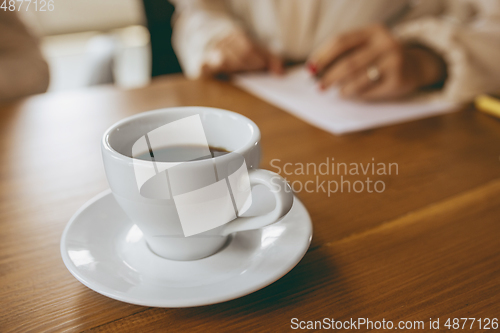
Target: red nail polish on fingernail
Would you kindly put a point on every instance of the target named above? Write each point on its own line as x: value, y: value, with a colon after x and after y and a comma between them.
x: 312, y: 68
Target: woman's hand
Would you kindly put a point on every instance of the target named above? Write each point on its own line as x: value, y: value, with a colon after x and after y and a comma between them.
x: 238, y: 53
x: 371, y: 64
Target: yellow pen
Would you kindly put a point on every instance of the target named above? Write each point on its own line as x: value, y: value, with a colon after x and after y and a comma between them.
x: 489, y: 104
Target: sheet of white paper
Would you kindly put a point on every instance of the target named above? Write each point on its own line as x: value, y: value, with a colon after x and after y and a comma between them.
x: 298, y: 93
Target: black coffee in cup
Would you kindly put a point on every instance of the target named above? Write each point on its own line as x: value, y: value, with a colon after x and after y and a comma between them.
x: 181, y: 153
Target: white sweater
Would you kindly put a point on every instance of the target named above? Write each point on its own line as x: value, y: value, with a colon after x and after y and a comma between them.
x: 465, y: 32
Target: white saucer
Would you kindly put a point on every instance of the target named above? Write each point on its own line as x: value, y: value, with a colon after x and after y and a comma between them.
x: 105, y: 251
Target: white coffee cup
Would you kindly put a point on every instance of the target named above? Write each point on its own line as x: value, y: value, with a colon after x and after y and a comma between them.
x: 158, y: 219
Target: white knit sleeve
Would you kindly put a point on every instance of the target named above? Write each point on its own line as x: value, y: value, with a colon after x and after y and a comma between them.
x: 197, y: 25
x: 469, y: 45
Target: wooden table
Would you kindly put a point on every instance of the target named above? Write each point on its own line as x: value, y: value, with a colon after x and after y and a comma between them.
x: 427, y: 247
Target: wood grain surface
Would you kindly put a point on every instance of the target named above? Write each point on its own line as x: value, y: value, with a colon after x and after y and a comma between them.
x: 427, y: 247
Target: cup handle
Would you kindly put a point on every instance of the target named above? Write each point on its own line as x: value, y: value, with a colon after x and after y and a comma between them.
x: 284, y: 200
